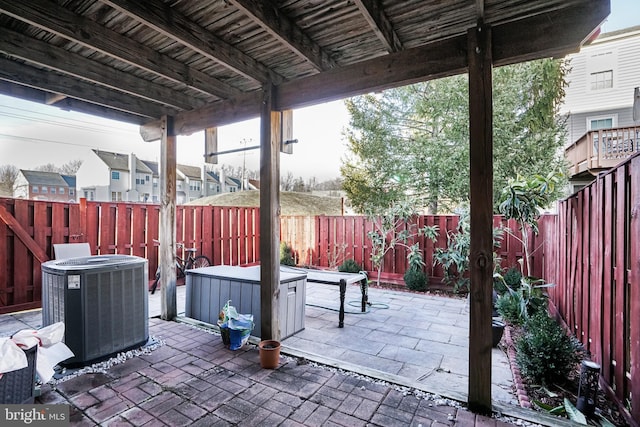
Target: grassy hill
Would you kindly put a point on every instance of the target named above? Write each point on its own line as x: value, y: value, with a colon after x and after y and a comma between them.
x: 292, y: 203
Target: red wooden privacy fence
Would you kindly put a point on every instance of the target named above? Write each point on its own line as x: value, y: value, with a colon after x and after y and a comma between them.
x: 29, y: 228
x: 596, y: 246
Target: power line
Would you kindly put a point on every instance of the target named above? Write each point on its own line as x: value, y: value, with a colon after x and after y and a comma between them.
x: 42, y: 140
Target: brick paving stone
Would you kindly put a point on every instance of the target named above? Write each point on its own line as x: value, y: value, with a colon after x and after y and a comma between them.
x: 175, y: 419
x: 210, y: 421
x: 350, y: 404
x: 328, y: 401
x: 482, y: 421
x: 137, y: 416
x: 82, y: 383
x: 191, y: 410
x: 392, y: 412
x: 278, y: 407
x: 151, y: 388
x: 409, y: 404
x: 198, y: 384
x: 366, y: 409
x: 116, y: 421
x: 288, y: 399
x: 77, y: 418
x: 212, y: 398
x: 304, y: 411
x: 103, y: 393
x: 393, y: 399
x: 255, y: 418
x: 127, y: 382
x: 84, y: 400
x: 290, y: 423
x: 346, y: 420
x: 465, y: 418
x: 318, y: 417
x: 161, y: 403
x: 136, y: 395
x: 369, y: 391
x: 332, y: 392
x: 385, y: 420
x: 175, y: 378
x: 132, y: 366
x: 100, y: 413
x: 241, y: 405
x: 230, y: 414
x: 259, y: 393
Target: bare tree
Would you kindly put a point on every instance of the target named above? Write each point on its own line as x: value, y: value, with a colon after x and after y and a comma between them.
x: 49, y: 167
x: 8, y: 176
x: 71, y: 167
x: 286, y: 182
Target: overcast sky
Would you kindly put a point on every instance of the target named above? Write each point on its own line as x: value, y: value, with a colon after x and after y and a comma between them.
x: 33, y: 134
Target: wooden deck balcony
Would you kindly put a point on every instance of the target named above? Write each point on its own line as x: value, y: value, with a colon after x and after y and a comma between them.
x: 602, y: 149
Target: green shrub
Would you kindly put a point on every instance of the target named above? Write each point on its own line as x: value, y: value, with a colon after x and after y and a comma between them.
x: 286, y: 254
x: 512, y: 278
x: 509, y: 306
x: 544, y: 353
x: 416, y: 280
x: 350, y: 266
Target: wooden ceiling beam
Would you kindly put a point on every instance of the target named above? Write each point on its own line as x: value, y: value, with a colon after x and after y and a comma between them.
x: 65, y: 62
x: 22, y: 74
x: 278, y: 25
x: 373, y: 12
x: 51, y: 17
x: 162, y: 18
x: 537, y: 37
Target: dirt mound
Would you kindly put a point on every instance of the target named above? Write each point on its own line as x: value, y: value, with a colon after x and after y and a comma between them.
x: 292, y: 203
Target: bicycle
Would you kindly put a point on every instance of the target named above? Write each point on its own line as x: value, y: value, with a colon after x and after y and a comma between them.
x: 182, y: 265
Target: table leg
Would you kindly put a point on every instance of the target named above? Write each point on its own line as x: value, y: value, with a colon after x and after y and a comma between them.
x: 343, y: 291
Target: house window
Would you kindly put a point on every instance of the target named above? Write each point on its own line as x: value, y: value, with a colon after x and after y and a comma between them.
x: 194, y: 186
x: 71, y: 192
x: 146, y: 178
x: 35, y: 189
x: 232, y: 189
x: 44, y: 190
x: 61, y: 190
x: 155, y: 183
x: 115, y: 175
x: 52, y: 190
x: 116, y: 196
x: 601, y: 124
x: 602, y: 80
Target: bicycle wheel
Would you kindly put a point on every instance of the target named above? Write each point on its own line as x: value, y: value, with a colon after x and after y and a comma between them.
x: 198, y: 262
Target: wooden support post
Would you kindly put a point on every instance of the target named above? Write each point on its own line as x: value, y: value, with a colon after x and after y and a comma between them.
x: 481, y: 196
x: 269, y: 216
x: 167, y: 231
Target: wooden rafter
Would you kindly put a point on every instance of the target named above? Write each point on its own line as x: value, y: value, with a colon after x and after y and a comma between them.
x: 11, y: 71
x: 55, y: 19
x: 171, y: 23
x: 267, y: 15
x: 373, y: 12
x: 87, y: 70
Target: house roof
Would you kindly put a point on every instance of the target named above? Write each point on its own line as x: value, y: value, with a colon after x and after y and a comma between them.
x: 70, y: 180
x: 190, y: 171
x: 43, y: 178
x: 209, y: 63
x: 118, y: 161
x: 153, y: 166
x: 214, y: 176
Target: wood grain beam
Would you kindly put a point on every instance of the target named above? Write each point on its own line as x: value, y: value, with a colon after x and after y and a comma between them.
x: 481, y: 217
x: 162, y: 18
x: 167, y: 226
x: 277, y: 24
x: 373, y: 12
x: 12, y: 71
x: 65, y: 62
x: 68, y: 104
x: 536, y: 37
x: 51, y: 17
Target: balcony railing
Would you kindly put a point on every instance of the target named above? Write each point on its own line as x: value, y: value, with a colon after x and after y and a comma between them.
x: 602, y: 149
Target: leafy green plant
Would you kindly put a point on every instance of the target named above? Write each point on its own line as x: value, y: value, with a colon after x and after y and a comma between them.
x: 517, y: 304
x: 350, y: 265
x: 286, y: 254
x: 393, y: 228
x: 544, y: 353
x: 416, y: 280
x: 513, y: 277
x: 454, y: 259
x: 522, y: 199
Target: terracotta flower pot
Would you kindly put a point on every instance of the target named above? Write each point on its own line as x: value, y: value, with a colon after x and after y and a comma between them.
x: 269, y: 354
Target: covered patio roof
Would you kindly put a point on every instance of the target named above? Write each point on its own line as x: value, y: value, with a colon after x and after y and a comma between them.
x: 177, y: 67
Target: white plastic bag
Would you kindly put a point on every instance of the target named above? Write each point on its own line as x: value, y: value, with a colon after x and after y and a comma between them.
x: 12, y: 357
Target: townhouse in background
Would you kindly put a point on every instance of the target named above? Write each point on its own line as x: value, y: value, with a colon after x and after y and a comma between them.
x: 599, y: 104
x: 44, y: 186
x: 109, y: 176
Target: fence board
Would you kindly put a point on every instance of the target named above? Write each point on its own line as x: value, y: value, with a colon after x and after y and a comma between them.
x: 619, y: 286
x: 634, y: 281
